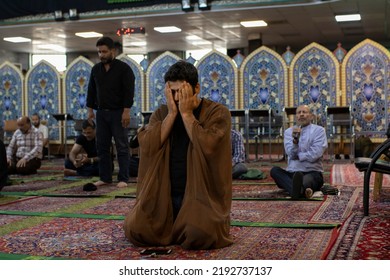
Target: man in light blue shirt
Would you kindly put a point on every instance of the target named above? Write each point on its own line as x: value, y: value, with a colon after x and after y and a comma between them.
x: 304, y: 145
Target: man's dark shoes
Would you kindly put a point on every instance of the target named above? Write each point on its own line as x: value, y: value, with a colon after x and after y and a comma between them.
x: 329, y: 190
x: 89, y: 187
x: 297, y: 185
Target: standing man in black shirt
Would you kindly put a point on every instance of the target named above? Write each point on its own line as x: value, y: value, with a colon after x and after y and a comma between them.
x: 111, y: 94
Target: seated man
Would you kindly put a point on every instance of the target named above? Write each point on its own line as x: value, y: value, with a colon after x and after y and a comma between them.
x: 238, y: 154
x: 3, y: 165
x: 184, y: 190
x: 83, y: 160
x: 24, y: 152
x: 304, y: 145
x: 36, y: 121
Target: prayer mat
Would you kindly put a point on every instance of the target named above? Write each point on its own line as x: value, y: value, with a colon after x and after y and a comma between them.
x: 117, y: 206
x: 104, y: 239
x: 41, y: 204
x: 102, y: 190
x: 257, y: 191
x: 336, y: 208
x: 30, y: 186
x: 270, y: 211
x: 8, y: 219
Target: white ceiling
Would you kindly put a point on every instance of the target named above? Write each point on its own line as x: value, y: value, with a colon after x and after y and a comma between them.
x: 294, y: 26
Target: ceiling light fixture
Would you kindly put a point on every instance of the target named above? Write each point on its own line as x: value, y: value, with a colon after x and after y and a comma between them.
x: 351, y: 17
x: 73, y: 14
x: 17, y: 39
x: 254, y: 23
x: 167, y: 29
x: 202, y: 5
x: 58, y: 15
x: 186, y: 6
x: 91, y: 34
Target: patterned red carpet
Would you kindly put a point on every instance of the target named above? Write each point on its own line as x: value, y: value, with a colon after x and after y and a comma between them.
x: 49, y: 216
x: 365, y: 238
x: 350, y: 175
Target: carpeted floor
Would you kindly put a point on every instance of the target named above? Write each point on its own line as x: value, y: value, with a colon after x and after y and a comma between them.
x: 48, y: 216
x: 365, y: 238
x: 347, y: 173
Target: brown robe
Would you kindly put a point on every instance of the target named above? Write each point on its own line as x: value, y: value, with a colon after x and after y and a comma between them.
x: 203, y: 221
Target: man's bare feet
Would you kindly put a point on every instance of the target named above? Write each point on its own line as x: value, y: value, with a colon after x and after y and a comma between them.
x: 308, y: 193
x: 100, y: 183
x: 122, y: 185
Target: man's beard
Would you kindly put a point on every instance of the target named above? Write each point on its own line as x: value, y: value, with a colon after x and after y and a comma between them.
x: 106, y: 60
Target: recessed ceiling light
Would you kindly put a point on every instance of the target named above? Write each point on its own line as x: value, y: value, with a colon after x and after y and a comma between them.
x: 254, y: 23
x: 89, y: 34
x: 352, y: 17
x: 17, y: 39
x: 167, y: 29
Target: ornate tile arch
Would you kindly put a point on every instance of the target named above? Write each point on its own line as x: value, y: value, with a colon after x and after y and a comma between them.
x: 155, y: 84
x: 139, y: 87
x: 315, y: 80
x: 238, y: 58
x: 263, y: 79
x: 75, y: 85
x: 11, y: 92
x: 43, y: 93
x: 218, y: 79
x: 340, y: 52
x: 366, y: 84
x: 288, y: 55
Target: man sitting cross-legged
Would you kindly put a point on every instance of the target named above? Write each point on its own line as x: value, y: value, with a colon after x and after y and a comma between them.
x: 304, y: 145
x: 24, y: 152
x: 83, y: 160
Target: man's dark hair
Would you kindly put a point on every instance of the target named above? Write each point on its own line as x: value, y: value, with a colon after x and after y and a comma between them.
x: 88, y: 123
x: 118, y: 46
x: 36, y: 115
x: 182, y: 71
x: 105, y: 41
